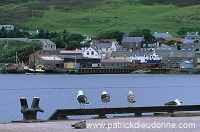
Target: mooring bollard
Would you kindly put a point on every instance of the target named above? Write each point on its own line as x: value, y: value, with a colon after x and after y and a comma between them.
x: 30, y: 114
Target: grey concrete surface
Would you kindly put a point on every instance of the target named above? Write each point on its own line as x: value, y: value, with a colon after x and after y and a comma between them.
x: 138, y: 124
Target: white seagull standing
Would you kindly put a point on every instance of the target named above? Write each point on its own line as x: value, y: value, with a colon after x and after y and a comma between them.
x: 171, y: 103
x: 130, y: 98
x: 105, y: 98
x: 82, y: 99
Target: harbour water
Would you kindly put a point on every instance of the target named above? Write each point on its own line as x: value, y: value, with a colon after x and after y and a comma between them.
x: 59, y: 91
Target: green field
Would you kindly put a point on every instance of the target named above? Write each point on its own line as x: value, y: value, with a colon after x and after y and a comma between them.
x: 123, y: 16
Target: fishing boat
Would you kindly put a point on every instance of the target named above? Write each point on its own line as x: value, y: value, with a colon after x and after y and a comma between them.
x: 36, y: 67
x: 153, y: 60
x: 14, y: 68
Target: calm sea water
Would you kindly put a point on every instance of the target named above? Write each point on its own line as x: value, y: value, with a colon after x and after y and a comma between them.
x: 59, y: 91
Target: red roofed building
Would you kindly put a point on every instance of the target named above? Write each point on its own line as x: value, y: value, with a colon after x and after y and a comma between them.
x: 70, y: 54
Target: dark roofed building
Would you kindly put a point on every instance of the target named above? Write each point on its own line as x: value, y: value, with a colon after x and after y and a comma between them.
x: 148, y: 45
x: 162, y: 35
x: 120, y: 55
x: 131, y: 43
x: 191, y: 37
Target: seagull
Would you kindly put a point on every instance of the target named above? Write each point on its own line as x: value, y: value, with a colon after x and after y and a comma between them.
x: 82, y: 99
x: 130, y: 98
x: 173, y: 103
x: 105, y: 98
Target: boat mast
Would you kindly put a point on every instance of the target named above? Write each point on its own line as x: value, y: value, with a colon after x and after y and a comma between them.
x: 16, y: 58
x: 34, y: 67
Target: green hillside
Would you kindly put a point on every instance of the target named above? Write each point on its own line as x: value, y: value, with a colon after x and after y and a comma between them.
x: 123, y: 15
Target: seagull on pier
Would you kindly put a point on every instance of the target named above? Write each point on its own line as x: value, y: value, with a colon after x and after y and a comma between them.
x: 105, y: 98
x: 130, y: 98
x: 173, y: 103
x: 82, y: 99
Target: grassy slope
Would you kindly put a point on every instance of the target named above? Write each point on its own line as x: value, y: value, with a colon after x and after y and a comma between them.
x: 160, y: 18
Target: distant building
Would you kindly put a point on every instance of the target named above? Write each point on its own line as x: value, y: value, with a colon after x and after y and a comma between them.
x: 120, y: 55
x: 48, y: 59
x: 191, y: 37
x: 47, y: 44
x: 108, y: 63
x: 91, y: 53
x: 186, y: 64
x: 76, y: 63
x: 71, y: 54
x: 148, y: 45
x: 162, y: 35
x: 131, y: 43
x: 7, y: 27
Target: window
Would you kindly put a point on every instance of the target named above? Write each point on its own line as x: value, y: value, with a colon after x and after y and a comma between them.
x: 88, y: 53
x: 92, y: 53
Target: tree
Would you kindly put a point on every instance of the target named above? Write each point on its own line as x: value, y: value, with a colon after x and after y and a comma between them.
x: 72, y: 45
x: 170, y: 42
x: 9, y: 49
x: 74, y: 37
x: 143, y: 32
x: 111, y: 34
x: 59, y: 42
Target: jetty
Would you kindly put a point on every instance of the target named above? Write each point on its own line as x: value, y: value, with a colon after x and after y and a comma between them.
x: 101, y: 112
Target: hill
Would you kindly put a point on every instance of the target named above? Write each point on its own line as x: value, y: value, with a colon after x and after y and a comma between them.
x: 92, y: 16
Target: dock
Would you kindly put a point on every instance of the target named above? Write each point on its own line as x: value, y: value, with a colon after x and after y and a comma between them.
x: 100, y: 71
x: 138, y: 111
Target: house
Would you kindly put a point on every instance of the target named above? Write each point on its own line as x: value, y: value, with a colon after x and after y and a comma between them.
x: 191, y: 37
x: 91, y: 53
x: 104, y: 49
x: 186, y: 64
x: 192, y: 46
x: 7, y: 27
x: 161, y: 37
x: 170, y: 58
x: 131, y: 43
x: 108, y: 63
x: 165, y: 47
x: 177, y: 40
x: 47, y: 44
x: 175, y: 57
x: 148, y: 45
x: 120, y: 55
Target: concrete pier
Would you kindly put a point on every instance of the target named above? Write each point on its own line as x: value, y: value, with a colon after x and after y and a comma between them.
x: 128, y: 124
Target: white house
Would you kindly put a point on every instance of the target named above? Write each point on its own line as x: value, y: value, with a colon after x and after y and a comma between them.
x: 91, y: 53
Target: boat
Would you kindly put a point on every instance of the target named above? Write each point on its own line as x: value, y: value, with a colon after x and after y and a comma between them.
x: 153, y: 60
x: 33, y: 71
x: 36, y: 67
x: 14, y: 68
